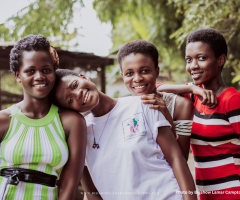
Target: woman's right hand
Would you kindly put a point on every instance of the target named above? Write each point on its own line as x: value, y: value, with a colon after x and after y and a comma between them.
x: 207, y: 97
x: 156, y: 100
x: 157, y: 103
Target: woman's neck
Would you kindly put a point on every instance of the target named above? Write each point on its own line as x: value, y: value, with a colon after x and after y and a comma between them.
x: 215, y: 85
x: 105, y: 105
x: 35, y: 108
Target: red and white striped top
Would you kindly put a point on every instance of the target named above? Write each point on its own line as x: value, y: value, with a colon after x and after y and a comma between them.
x: 215, y: 142
x: 216, y: 147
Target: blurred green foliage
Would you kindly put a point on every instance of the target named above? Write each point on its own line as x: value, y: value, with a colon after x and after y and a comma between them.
x: 49, y: 18
x: 167, y: 23
x: 151, y: 20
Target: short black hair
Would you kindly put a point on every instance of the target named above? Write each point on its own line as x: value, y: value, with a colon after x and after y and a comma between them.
x: 60, y: 73
x: 212, y: 37
x: 31, y: 43
x: 138, y: 46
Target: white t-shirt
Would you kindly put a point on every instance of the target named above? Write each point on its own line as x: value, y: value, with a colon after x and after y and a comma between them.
x: 129, y: 163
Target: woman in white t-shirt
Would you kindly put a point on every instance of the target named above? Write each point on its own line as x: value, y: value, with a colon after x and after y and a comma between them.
x: 131, y: 151
x: 138, y: 62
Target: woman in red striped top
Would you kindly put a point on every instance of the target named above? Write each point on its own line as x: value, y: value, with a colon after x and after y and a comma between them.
x: 215, y: 132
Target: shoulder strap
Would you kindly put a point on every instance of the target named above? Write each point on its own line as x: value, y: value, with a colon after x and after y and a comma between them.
x: 53, y: 109
x: 14, y: 109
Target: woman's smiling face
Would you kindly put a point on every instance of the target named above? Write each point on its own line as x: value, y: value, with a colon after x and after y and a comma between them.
x: 139, y: 74
x: 36, y: 73
x: 202, y: 64
x: 77, y: 93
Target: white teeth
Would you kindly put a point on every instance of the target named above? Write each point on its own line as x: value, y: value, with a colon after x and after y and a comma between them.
x: 40, y: 85
x: 196, y: 75
x: 139, y: 87
x: 86, y: 97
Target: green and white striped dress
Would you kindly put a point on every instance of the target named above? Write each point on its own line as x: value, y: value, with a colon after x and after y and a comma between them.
x: 33, y: 144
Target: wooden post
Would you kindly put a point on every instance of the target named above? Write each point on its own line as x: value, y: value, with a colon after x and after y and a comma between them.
x: 103, y: 79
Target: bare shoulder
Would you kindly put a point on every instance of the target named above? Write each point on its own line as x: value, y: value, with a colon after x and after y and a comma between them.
x: 71, y: 120
x: 5, y: 119
x: 183, y: 109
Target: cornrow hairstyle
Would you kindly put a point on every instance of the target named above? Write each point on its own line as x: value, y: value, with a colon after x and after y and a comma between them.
x: 138, y: 46
x: 31, y: 43
x: 212, y: 37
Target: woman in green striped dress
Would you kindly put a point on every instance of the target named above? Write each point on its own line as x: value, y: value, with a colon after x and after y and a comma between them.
x: 39, y: 142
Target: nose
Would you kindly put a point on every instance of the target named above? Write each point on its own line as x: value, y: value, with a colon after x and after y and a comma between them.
x: 78, y: 94
x: 194, y: 64
x: 137, y: 77
x: 39, y: 75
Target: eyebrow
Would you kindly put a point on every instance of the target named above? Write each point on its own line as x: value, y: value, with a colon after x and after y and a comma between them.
x: 144, y: 67
x: 32, y: 66
x: 197, y: 54
x: 140, y: 67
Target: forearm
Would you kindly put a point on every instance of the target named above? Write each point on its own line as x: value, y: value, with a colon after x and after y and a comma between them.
x: 67, y: 191
x: 184, y: 143
x: 176, y: 89
x: 91, y: 192
x: 174, y: 156
x: 184, y: 178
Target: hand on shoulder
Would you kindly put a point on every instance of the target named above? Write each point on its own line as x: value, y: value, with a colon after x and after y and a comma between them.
x: 156, y: 100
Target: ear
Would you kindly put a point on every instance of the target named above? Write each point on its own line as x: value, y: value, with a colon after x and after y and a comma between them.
x: 16, y: 74
x: 222, y: 60
x: 84, y: 77
x: 157, y: 71
x: 121, y: 74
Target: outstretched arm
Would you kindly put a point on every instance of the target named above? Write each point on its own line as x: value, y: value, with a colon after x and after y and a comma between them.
x: 173, y: 154
x: 89, y: 187
x: 206, y: 96
x: 75, y: 128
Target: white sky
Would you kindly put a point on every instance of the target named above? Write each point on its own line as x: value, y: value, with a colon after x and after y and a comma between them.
x: 94, y: 36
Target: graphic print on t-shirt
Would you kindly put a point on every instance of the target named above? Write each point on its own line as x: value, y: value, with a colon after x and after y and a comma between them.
x: 134, y: 126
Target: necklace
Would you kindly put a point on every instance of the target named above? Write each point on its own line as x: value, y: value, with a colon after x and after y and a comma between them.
x: 96, y: 145
x: 204, y: 106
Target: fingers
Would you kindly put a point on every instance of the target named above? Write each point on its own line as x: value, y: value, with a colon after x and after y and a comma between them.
x: 150, y: 96
x: 156, y: 107
x: 160, y: 94
x: 209, y: 99
x: 214, y: 105
x: 204, y: 98
x: 152, y: 101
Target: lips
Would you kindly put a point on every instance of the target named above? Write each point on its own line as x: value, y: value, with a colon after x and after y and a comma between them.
x: 196, y: 75
x: 140, y: 86
x: 86, y: 97
x: 40, y: 85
